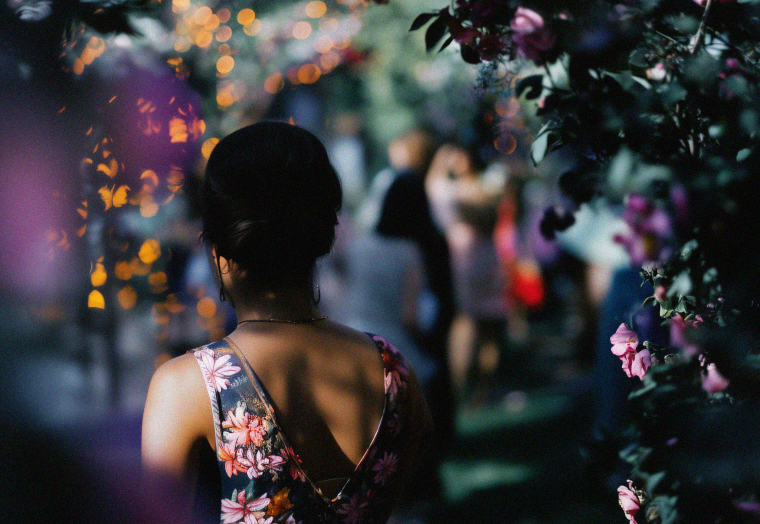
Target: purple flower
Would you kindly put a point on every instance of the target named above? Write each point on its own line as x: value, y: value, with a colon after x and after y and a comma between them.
x: 353, y: 510
x: 385, y: 467
x: 530, y: 35
x: 650, y: 230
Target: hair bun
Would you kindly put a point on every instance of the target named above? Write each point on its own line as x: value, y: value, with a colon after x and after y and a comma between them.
x: 270, y: 200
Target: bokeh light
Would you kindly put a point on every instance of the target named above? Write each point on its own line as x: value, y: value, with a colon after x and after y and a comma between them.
x: 323, y: 44
x: 208, y: 146
x: 98, y: 276
x: 149, y: 251
x: 182, y: 44
x: 246, y: 16
x: 206, y: 307
x: 253, y: 28
x: 224, y: 15
x: 212, y: 23
x: 316, y: 9
x: 301, y: 30
x: 505, y: 143
x: 202, y: 14
x: 204, y: 38
x: 95, y: 300
x: 224, y: 97
x: 329, y: 60
x: 224, y: 33
x: 122, y: 270
x: 225, y: 64
x: 274, y: 83
x: 179, y: 6
x: 127, y: 297
x: 309, y: 73
x: 148, y: 206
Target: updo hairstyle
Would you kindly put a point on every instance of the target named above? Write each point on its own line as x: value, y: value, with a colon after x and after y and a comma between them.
x: 270, y: 202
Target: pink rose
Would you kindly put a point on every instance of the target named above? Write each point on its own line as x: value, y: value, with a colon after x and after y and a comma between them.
x: 629, y: 501
x: 623, y: 341
x: 526, y: 21
x: 678, y: 327
x: 636, y: 364
x: 627, y: 360
x: 530, y: 35
x: 641, y: 362
x: 713, y: 381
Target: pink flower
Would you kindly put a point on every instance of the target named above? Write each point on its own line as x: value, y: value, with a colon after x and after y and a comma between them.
x: 243, y: 428
x: 624, y: 340
x: 650, y: 230
x: 713, y: 381
x: 293, y: 460
x: 526, y: 21
x: 530, y: 35
x: 385, y: 467
x: 641, y: 362
x: 251, y: 518
x: 353, y: 510
x: 657, y: 73
x: 214, y: 370
x: 257, y: 463
x: 235, y: 511
x: 628, y: 501
x: 228, y: 455
x: 678, y: 327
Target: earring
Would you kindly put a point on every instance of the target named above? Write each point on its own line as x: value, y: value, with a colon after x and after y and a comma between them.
x: 221, y: 282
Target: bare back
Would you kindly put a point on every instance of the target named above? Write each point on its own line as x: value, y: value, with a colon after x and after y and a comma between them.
x: 326, y: 383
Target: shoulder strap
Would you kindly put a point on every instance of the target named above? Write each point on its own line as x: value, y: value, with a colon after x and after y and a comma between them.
x: 218, y: 364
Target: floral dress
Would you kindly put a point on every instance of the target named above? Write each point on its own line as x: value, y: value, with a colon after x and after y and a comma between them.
x: 262, y: 478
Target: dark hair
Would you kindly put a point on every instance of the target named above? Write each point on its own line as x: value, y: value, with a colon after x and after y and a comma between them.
x: 405, y: 211
x: 270, y: 201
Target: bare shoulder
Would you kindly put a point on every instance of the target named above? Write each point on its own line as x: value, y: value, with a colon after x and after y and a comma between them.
x: 177, y: 413
x: 178, y: 376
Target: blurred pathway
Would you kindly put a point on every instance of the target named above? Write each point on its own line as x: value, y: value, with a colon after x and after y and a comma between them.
x: 516, y: 458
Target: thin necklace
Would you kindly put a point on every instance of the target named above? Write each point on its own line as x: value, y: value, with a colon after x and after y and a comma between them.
x: 282, y: 320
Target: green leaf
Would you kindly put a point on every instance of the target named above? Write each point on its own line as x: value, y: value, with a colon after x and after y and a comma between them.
x: 421, y: 20
x: 469, y: 54
x: 533, y: 85
x: 446, y: 43
x: 540, y: 145
x: 654, y: 480
x: 434, y: 33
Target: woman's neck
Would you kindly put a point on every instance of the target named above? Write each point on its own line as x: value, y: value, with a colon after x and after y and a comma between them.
x: 288, y: 304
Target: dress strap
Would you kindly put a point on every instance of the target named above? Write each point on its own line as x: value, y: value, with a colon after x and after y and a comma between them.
x: 216, y: 366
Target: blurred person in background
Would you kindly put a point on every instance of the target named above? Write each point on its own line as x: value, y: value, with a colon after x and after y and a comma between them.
x: 465, y: 208
x: 397, y: 206
x: 311, y: 421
